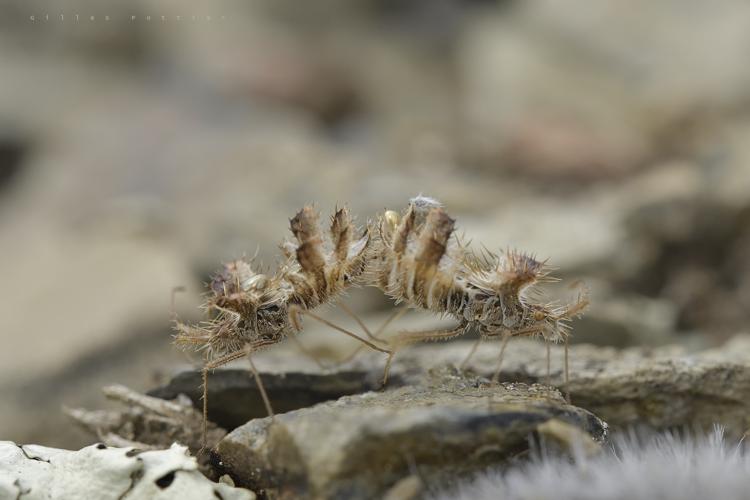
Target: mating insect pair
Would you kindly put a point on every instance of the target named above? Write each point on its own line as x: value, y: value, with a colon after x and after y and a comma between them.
x: 412, y: 257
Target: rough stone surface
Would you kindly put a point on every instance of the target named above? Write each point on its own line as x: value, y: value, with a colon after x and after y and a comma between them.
x: 658, y: 387
x: 361, y: 446
x: 148, y: 423
x: 233, y: 396
x: 36, y: 472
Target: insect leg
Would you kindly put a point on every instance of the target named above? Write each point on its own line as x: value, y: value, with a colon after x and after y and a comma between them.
x: 356, y: 318
x: 376, y: 336
x: 296, y: 311
x: 204, y: 373
x: 549, y: 377
x: 471, y: 353
x: 393, y: 317
x: 406, y: 338
x: 259, y: 383
x: 567, y: 373
x: 496, y: 376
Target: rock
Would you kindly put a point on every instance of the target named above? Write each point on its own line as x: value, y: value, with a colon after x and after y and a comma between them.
x: 362, y: 446
x: 658, y: 387
x: 96, y: 471
x: 661, y: 387
x: 149, y: 423
x: 233, y: 396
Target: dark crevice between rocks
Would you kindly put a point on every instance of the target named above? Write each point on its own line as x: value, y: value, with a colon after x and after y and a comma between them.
x: 234, y: 398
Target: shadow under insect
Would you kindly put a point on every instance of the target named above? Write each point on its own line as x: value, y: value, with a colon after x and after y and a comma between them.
x: 234, y: 397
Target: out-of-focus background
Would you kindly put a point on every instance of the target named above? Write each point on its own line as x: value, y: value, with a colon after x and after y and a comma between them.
x: 141, y: 146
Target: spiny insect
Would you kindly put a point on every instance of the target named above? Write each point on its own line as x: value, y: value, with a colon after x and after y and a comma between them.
x: 249, y: 311
x: 416, y: 259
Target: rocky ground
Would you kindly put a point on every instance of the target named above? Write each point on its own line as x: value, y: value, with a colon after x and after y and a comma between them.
x: 434, y: 424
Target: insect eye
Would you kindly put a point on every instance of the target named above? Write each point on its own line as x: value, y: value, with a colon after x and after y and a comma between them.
x: 272, y: 308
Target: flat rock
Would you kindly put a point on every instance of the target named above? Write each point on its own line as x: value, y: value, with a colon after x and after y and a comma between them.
x: 361, y: 446
x: 234, y: 398
x: 659, y: 387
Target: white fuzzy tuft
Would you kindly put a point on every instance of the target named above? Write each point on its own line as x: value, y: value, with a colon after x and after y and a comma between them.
x: 662, y: 466
x: 425, y: 203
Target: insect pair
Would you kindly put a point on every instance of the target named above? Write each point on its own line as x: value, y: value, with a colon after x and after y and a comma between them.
x: 413, y: 257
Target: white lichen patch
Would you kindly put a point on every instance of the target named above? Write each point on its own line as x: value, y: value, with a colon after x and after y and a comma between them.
x: 32, y: 472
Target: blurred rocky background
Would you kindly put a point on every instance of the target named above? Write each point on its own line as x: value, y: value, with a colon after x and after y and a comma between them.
x: 145, y: 142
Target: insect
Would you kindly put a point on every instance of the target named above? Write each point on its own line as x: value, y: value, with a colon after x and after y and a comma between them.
x: 249, y: 311
x: 416, y: 259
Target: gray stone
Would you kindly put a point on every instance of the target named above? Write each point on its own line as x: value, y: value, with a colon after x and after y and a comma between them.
x: 234, y: 398
x: 362, y: 446
x: 149, y: 423
x: 659, y: 387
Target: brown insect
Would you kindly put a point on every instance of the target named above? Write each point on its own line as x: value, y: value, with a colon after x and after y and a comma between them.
x: 249, y: 311
x: 415, y: 259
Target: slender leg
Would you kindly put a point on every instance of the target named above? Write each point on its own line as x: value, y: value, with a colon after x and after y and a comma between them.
x: 567, y: 373
x: 261, y: 388
x: 376, y: 336
x: 387, y: 368
x: 471, y: 353
x: 295, y: 311
x: 393, y: 317
x: 406, y: 338
x: 356, y: 318
x: 206, y: 368
x: 549, y: 377
x: 529, y: 332
x: 496, y: 376
x: 204, y: 423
